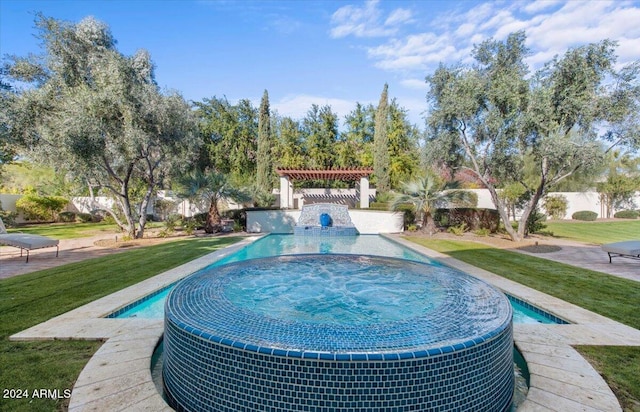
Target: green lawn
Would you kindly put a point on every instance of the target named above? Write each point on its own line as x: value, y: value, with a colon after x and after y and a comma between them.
x: 613, y: 297
x: 598, y: 232
x: 75, y: 230
x: 29, y: 299
x: 68, y: 230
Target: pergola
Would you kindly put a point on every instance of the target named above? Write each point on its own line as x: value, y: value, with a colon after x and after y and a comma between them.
x: 287, y: 176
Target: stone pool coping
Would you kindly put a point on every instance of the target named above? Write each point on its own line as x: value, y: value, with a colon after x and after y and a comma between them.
x: 118, y: 376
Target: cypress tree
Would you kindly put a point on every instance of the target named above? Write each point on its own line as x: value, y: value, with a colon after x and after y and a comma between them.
x: 381, y: 144
x: 263, y: 166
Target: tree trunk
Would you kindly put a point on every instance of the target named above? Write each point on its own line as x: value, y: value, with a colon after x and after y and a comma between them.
x: 142, y: 218
x: 213, y: 224
x: 428, y: 224
x: 503, y: 211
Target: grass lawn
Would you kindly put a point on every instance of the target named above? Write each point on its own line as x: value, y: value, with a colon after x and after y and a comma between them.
x: 610, y: 296
x: 29, y: 299
x: 68, y: 230
x: 598, y: 232
x: 75, y: 230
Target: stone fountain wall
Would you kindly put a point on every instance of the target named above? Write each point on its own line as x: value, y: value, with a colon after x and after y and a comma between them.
x: 309, y: 222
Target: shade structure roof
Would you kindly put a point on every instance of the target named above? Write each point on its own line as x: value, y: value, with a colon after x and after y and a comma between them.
x: 330, y: 174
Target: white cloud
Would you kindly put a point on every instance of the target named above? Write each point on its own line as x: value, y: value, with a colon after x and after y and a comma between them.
x: 398, y: 16
x: 367, y: 21
x: 552, y: 26
x: 539, y: 5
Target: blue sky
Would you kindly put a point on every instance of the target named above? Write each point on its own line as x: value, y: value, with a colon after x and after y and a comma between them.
x: 325, y: 52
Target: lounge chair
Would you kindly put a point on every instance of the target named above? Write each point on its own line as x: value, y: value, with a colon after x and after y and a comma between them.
x: 629, y: 249
x: 26, y: 242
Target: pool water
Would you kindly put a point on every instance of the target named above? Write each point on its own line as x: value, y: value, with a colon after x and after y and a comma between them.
x: 152, y: 307
x: 342, y: 292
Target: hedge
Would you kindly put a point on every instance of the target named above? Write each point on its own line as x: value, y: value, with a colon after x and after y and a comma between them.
x: 626, y: 214
x: 473, y: 218
x: 585, y: 215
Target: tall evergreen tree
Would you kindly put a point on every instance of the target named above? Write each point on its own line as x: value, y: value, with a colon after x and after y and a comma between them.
x: 321, y: 129
x: 230, y: 134
x: 355, y: 144
x: 381, y: 160
x: 263, y: 160
x: 402, y: 145
x: 289, y: 148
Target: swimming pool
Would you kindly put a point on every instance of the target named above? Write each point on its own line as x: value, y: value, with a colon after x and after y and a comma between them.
x: 152, y: 306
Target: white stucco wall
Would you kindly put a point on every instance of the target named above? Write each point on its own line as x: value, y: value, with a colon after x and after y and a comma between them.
x: 577, y: 201
x: 283, y: 221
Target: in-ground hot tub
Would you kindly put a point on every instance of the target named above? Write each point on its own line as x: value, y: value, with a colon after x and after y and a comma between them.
x: 337, y: 332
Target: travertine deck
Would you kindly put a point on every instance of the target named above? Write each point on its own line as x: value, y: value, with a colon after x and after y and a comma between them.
x: 118, y: 376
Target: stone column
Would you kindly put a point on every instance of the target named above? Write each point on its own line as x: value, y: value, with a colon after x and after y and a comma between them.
x: 363, y: 188
x: 286, y: 193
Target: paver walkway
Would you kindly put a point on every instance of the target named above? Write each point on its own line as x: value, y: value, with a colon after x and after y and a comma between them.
x: 71, y: 250
x: 591, y: 257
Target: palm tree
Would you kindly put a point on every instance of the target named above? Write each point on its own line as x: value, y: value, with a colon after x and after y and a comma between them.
x: 209, y: 186
x: 428, y: 193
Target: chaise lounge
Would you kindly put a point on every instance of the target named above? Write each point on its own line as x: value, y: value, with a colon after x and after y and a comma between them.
x: 629, y: 249
x: 26, y: 242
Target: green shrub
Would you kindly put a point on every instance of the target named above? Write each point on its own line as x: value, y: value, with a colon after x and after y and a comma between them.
x: 473, y: 218
x: 535, y: 222
x: 67, y: 217
x: 556, y: 206
x: 458, y: 230
x: 627, y: 214
x: 171, y: 222
x: 9, y: 218
x: 190, y: 225
x: 585, y: 215
x: 379, y: 206
x: 482, y: 232
x: 88, y: 217
x: 35, y: 207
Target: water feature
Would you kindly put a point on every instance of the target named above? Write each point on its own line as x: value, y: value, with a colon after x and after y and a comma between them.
x: 324, y: 219
x: 331, y: 331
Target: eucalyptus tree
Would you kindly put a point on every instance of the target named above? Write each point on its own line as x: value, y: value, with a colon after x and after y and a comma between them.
x: 381, y: 160
x: 98, y: 114
x: 264, y: 172
x: 491, y: 117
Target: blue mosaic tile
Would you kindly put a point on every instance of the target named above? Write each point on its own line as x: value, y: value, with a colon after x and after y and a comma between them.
x: 458, y: 356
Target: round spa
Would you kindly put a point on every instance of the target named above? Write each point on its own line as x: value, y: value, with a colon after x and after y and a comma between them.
x: 337, y: 333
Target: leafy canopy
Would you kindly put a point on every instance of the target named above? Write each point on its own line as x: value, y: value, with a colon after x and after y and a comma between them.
x: 494, y: 119
x: 98, y: 114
